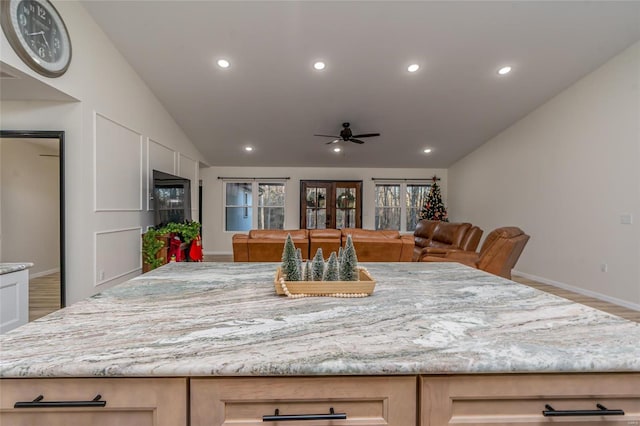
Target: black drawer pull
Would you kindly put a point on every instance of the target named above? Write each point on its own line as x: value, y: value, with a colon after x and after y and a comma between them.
x: 277, y: 417
x: 601, y: 411
x: 39, y: 403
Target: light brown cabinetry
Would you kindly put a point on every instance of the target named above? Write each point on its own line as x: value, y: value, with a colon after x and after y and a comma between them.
x: 520, y: 399
x: 245, y: 401
x: 67, y: 402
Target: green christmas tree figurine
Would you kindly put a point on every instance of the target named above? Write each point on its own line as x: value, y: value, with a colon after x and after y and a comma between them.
x: 331, y: 273
x: 349, y: 265
x: 308, y: 271
x: 290, y: 269
x: 433, y: 208
x: 299, y: 260
x: 318, y: 265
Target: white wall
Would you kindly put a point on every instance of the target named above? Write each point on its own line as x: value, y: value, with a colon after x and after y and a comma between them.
x: 116, y: 117
x: 217, y: 241
x: 565, y: 174
x: 30, y: 200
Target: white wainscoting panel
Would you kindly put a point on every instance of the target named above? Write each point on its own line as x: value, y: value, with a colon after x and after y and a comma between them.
x: 118, y: 166
x: 14, y: 300
x: 159, y: 157
x: 118, y: 253
x: 188, y: 168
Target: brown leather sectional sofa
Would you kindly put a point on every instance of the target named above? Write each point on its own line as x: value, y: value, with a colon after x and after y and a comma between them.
x: 435, y: 238
x: 370, y: 245
x: 380, y: 246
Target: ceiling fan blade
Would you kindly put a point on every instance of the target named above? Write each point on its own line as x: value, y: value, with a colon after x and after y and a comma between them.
x: 334, y: 141
x: 328, y: 136
x: 355, y: 140
x: 366, y: 135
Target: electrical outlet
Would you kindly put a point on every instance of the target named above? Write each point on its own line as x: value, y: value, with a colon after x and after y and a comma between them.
x: 626, y: 219
x: 604, y: 267
x: 101, y: 275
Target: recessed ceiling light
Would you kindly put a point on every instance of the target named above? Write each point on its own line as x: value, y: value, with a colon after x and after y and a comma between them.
x: 413, y: 67
x: 223, y: 63
x: 427, y: 150
x: 319, y: 65
x: 248, y: 148
x: 337, y: 149
x: 504, y: 70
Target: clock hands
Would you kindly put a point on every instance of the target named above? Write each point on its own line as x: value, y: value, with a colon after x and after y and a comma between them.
x: 43, y: 36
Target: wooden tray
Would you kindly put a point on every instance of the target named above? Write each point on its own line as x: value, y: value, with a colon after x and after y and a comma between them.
x: 364, y: 286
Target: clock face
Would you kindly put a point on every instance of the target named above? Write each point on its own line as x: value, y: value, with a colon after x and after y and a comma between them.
x: 37, y: 33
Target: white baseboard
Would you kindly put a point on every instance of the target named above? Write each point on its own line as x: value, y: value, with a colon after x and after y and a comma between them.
x: 43, y: 273
x: 594, y: 294
x: 217, y: 253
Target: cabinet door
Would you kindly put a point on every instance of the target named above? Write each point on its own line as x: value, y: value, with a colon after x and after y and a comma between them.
x: 521, y: 399
x: 344, y: 401
x: 127, y: 402
x: 330, y: 204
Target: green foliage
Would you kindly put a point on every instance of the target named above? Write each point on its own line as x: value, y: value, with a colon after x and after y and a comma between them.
x: 187, y: 231
x: 318, y: 265
x: 433, y: 208
x: 308, y: 271
x: 349, y: 264
x: 151, y: 245
x: 290, y: 269
x: 331, y: 272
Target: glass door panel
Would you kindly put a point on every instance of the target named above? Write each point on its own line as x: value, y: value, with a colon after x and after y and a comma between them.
x: 330, y: 204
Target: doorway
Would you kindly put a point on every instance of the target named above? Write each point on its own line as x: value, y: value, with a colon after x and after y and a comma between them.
x: 33, y: 212
x: 330, y: 204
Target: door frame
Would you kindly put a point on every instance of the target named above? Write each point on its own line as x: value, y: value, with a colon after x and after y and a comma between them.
x: 50, y: 134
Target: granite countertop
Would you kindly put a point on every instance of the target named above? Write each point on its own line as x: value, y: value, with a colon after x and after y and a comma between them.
x: 202, y: 319
x: 7, y: 268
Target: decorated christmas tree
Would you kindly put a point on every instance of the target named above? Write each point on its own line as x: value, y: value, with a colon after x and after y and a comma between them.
x: 433, y: 208
x: 290, y: 268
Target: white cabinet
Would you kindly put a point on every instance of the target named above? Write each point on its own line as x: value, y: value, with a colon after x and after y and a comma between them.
x: 14, y: 300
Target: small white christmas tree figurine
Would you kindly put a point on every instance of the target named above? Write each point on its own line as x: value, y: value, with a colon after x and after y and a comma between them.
x: 331, y: 272
x: 290, y: 269
x: 299, y: 260
x: 308, y: 271
x: 318, y: 265
x: 349, y: 264
x: 340, y: 255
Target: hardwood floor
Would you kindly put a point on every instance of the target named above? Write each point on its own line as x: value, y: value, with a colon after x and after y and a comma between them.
x: 44, y: 294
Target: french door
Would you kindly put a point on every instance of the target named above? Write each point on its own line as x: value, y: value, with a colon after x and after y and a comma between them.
x: 330, y: 204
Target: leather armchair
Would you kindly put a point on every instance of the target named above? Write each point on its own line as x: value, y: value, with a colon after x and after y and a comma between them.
x: 435, y: 238
x: 498, y: 255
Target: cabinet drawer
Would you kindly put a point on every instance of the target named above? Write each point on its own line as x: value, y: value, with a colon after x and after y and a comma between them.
x: 244, y: 401
x: 520, y: 399
x: 135, y: 402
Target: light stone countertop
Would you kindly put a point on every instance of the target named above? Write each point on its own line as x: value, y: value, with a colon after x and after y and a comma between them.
x: 7, y: 268
x: 224, y: 319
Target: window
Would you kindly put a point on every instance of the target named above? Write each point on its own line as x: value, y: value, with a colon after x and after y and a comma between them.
x: 240, y: 199
x: 398, y: 205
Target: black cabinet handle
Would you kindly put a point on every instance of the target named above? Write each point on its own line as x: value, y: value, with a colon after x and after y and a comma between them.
x: 601, y: 411
x: 277, y: 417
x: 39, y: 403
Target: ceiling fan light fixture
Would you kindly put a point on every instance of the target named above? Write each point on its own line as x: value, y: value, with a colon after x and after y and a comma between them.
x: 223, y: 63
x: 413, y: 67
x: 504, y: 70
x: 319, y: 65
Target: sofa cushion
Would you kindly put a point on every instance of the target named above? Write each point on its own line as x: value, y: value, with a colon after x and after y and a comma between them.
x: 278, y: 234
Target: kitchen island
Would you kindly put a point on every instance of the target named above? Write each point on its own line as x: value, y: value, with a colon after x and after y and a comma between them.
x: 14, y: 295
x: 202, y: 325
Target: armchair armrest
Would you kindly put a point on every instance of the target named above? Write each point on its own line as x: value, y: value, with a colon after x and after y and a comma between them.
x: 240, y: 247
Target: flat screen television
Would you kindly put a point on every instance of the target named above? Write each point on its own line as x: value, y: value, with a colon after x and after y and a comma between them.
x: 172, y: 198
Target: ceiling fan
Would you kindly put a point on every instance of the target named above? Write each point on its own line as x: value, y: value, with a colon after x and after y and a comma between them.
x: 347, y: 135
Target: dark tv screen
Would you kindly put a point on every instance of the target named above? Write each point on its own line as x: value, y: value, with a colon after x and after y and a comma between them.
x: 172, y: 198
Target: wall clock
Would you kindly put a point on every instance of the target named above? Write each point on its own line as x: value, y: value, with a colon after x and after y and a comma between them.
x: 38, y: 35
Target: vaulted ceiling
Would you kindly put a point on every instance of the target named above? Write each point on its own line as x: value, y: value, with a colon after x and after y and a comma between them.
x: 272, y: 99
